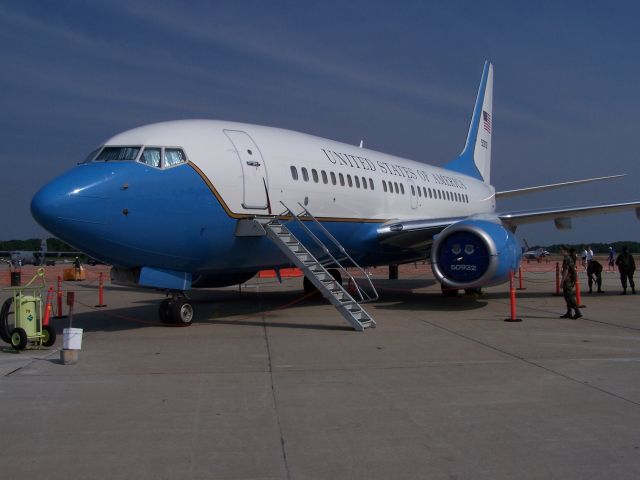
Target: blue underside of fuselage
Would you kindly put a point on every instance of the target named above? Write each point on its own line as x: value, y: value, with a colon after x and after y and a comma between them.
x: 132, y: 215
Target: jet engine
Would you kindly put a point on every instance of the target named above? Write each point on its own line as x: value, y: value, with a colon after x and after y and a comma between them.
x: 474, y: 253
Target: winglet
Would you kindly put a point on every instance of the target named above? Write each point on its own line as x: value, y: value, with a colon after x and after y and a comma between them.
x: 475, y: 159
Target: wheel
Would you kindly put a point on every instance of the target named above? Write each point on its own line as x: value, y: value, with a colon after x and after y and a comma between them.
x: 473, y: 292
x: 4, y: 320
x: 335, y: 273
x: 48, y: 336
x: 163, y: 311
x: 18, y: 338
x: 449, y: 292
x: 308, y: 286
x: 182, y: 312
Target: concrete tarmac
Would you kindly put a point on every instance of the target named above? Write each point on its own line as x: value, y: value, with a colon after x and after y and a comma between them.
x: 270, y: 384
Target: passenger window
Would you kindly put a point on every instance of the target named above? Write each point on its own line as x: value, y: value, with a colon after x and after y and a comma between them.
x: 384, y: 186
x: 430, y: 193
x: 305, y: 174
x: 371, y: 184
x: 349, y: 180
x: 173, y: 156
x: 364, y: 183
x: 325, y: 180
x: 341, y: 178
x: 413, y: 191
x: 118, y: 153
x: 314, y: 173
x: 294, y: 173
x: 395, y: 185
x: 402, y: 188
x: 424, y: 191
x: 419, y: 192
x: 151, y: 156
x: 333, y: 178
x: 357, y: 179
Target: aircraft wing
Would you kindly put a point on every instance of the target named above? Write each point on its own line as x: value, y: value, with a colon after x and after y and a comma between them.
x: 562, y: 216
x: 413, y: 233
x: 419, y: 233
x: 553, y: 186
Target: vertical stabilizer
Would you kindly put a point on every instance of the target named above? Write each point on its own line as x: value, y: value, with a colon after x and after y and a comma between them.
x: 475, y: 159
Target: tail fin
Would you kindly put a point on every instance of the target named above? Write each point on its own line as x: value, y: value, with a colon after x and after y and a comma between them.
x: 475, y: 159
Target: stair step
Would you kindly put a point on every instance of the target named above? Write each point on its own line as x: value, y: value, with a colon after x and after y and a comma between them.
x: 313, y: 267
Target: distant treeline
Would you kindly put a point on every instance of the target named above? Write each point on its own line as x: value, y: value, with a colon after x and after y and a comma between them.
x: 53, y: 245
x: 634, y: 247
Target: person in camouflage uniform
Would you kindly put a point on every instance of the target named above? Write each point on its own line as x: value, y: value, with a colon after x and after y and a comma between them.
x: 627, y: 267
x: 594, y: 275
x: 569, y: 276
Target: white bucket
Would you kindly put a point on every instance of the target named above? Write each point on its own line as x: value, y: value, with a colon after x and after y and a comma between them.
x: 72, y: 338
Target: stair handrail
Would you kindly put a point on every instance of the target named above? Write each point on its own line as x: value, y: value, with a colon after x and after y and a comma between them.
x: 344, y: 251
x: 363, y: 294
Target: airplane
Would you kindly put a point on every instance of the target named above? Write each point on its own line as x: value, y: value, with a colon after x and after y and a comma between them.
x: 208, y: 203
x: 534, y: 253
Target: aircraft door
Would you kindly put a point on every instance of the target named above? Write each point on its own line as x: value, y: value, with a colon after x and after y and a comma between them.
x: 254, y: 172
x: 413, y: 194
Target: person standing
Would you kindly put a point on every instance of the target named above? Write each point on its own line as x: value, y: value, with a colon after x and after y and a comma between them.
x: 594, y: 274
x: 569, y: 276
x: 627, y: 267
x: 589, y: 255
x: 612, y: 260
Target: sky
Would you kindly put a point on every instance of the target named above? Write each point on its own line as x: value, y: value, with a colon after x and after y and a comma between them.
x: 402, y: 76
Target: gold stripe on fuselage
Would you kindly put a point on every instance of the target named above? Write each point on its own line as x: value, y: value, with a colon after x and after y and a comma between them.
x: 284, y: 217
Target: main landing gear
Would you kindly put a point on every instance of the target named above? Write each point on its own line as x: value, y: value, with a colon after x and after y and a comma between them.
x: 311, y: 288
x: 468, y: 292
x: 177, y: 310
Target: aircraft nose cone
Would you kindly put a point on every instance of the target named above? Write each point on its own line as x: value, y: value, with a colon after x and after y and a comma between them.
x: 40, y: 204
x: 68, y: 203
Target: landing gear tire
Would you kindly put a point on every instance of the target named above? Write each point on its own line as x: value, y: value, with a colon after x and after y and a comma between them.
x: 48, y: 336
x: 448, y: 291
x: 182, y: 312
x: 335, y: 273
x: 473, y: 292
x: 308, y: 286
x: 18, y: 338
x: 163, y: 311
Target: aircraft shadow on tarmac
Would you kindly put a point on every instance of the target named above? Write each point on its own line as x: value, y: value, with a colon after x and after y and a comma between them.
x: 255, y: 306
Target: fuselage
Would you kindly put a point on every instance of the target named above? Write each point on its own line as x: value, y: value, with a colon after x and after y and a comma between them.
x: 181, y: 214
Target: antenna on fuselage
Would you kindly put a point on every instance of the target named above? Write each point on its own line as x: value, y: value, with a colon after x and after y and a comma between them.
x: 361, y: 143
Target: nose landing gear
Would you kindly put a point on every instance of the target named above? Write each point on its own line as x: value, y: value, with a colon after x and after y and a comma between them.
x: 177, y: 310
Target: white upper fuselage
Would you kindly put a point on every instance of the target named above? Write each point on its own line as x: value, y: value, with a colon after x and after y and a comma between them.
x: 238, y: 160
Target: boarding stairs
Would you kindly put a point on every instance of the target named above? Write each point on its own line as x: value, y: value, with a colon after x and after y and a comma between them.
x: 316, y: 269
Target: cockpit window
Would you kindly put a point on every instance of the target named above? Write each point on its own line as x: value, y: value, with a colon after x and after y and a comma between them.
x: 118, y: 153
x: 92, y: 155
x: 173, y: 156
x: 151, y: 156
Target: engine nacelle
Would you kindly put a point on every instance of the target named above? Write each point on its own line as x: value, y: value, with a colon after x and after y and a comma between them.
x: 474, y: 254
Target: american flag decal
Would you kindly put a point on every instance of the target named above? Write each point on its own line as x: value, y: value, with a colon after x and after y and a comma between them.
x: 486, y: 120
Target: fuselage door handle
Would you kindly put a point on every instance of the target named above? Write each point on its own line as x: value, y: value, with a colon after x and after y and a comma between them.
x: 253, y: 163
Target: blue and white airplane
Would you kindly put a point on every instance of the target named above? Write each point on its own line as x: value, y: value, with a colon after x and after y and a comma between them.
x: 164, y: 204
